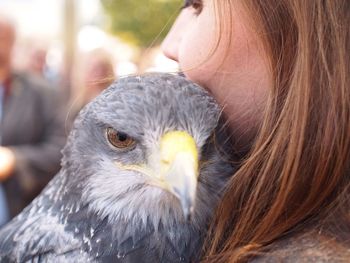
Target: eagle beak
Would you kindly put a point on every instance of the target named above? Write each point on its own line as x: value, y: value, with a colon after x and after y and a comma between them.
x: 179, y: 168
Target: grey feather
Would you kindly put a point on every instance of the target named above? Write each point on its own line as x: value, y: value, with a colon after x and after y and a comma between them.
x: 94, y: 212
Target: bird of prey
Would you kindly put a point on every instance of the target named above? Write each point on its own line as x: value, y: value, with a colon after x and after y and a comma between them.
x: 142, y: 172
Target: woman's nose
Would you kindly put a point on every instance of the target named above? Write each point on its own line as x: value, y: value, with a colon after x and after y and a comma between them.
x: 170, y: 47
x: 171, y: 43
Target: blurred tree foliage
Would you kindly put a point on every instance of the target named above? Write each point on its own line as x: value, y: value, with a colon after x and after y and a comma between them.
x: 142, y: 22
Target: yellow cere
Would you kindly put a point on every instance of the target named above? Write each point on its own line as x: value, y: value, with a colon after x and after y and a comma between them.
x: 178, y: 142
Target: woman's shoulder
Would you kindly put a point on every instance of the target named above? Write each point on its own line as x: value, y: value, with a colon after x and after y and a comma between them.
x: 307, y: 247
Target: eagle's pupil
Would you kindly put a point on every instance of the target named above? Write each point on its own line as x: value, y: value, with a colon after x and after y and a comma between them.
x: 122, y: 136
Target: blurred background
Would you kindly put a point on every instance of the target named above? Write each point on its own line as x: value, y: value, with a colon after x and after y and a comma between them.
x: 54, y: 36
x: 55, y: 56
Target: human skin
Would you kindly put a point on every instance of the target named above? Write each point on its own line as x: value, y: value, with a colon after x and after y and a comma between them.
x: 235, y: 71
x: 97, y: 76
x: 7, y: 38
x: 7, y: 163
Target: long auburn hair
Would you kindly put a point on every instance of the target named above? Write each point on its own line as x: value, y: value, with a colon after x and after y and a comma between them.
x: 298, y: 168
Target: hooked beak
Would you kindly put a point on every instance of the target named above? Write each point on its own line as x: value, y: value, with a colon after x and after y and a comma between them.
x: 179, y: 168
x: 174, y: 168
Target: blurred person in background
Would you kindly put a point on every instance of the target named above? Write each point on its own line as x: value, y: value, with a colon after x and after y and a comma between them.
x: 96, y: 73
x: 31, y: 130
x: 37, y: 61
x: 37, y: 64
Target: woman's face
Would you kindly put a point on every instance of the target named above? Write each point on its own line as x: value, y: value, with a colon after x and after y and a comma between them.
x: 234, y: 69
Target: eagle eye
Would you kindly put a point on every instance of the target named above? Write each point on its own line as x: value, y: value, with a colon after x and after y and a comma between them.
x: 119, y: 140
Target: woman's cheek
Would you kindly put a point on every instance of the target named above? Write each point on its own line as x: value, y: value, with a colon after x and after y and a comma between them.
x: 197, y: 52
x: 195, y: 56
